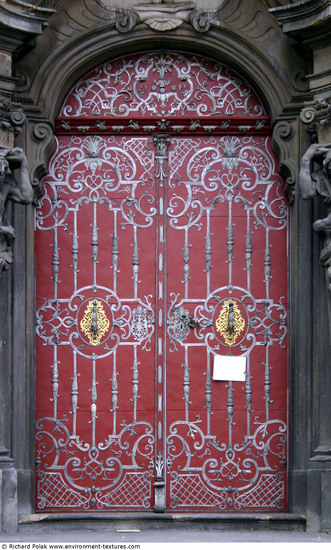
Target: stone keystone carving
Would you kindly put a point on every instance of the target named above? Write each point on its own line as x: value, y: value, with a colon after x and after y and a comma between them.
x: 163, y: 16
x: 15, y: 186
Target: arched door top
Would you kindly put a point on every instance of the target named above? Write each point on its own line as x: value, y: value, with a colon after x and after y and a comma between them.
x: 190, y: 91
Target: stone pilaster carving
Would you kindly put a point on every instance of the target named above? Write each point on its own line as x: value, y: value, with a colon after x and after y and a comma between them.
x: 315, y: 171
x: 12, y: 120
x: 317, y: 116
x: 15, y: 186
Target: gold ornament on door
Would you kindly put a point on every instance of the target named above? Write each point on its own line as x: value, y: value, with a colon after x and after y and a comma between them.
x: 94, y: 324
x: 230, y: 322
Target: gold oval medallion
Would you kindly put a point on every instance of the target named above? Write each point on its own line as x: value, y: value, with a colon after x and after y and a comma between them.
x: 94, y: 323
x: 230, y: 322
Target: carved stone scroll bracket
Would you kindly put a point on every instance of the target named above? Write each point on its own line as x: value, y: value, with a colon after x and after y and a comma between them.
x: 42, y: 145
x: 126, y: 20
x: 201, y: 20
x: 317, y: 116
x: 315, y: 171
x: 284, y: 144
x: 15, y: 186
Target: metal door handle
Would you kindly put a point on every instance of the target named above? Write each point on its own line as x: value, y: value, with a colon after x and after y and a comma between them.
x: 193, y: 322
x: 94, y: 322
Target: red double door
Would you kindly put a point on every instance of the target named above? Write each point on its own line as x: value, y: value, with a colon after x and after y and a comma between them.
x: 161, y: 263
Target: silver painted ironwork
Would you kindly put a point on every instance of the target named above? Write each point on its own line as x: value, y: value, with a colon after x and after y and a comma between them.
x: 161, y: 143
x: 74, y: 394
x: 222, y: 173
x: 177, y: 186
x: 81, y: 471
x: 177, y: 85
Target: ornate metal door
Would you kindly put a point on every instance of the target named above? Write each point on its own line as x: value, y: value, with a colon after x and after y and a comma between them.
x: 161, y: 250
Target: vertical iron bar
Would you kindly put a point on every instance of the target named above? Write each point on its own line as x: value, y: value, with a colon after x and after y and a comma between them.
x: 267, y: 263
x: 161, y: 145
x: 55, y: 261
x: 95, y: 244
x: 74, y: 393
x: 135, y: 384
x: 114, y: 392
x: 55, y: 381
x: 267, y: 383
x: 208, y: 252
x: 208, y: 392
x: 186, y: 258
x: 74, y: 250
x: 248, y: 390
x: 230, y: 412
x: 135, y: 262
x: 94, y: 399
x: 115, y: 253
x: 186, y: 384
x: 230, y: 242
x: 248, y: 252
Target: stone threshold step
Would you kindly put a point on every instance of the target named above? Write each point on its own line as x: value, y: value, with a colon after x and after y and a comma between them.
x: 148, y: 520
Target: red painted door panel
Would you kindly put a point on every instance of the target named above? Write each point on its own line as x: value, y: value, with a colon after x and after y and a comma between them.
x: 161, y: 245
x: 96, y: 246
x: 226, y: 442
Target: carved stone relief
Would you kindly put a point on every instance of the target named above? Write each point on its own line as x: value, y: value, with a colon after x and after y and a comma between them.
x: 163, y: 16
x: 14, y: 186
x: 12, y: 119
x: 315, y: 172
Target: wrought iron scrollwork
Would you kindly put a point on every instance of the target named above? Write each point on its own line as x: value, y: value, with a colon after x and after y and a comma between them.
x: 213, y: 204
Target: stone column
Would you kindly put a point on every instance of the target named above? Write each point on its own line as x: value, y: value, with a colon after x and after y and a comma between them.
x: 307, y: 24
x: 19, y: 23
x: 315, y: 181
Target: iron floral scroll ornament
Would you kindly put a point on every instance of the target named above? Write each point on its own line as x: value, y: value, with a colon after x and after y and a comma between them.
x: 230, y: 322
x: 95, y: 323
x: 15, y: 186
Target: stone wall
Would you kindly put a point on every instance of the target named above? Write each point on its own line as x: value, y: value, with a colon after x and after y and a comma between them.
x: 283, y: 51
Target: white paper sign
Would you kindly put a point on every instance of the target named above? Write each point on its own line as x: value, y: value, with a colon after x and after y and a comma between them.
x: 229, y: 368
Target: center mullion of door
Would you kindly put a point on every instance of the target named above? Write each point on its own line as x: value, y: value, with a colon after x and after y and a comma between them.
x: 161, y: 144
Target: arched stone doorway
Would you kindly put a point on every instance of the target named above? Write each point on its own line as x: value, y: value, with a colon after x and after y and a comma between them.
x: 162, y: 238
